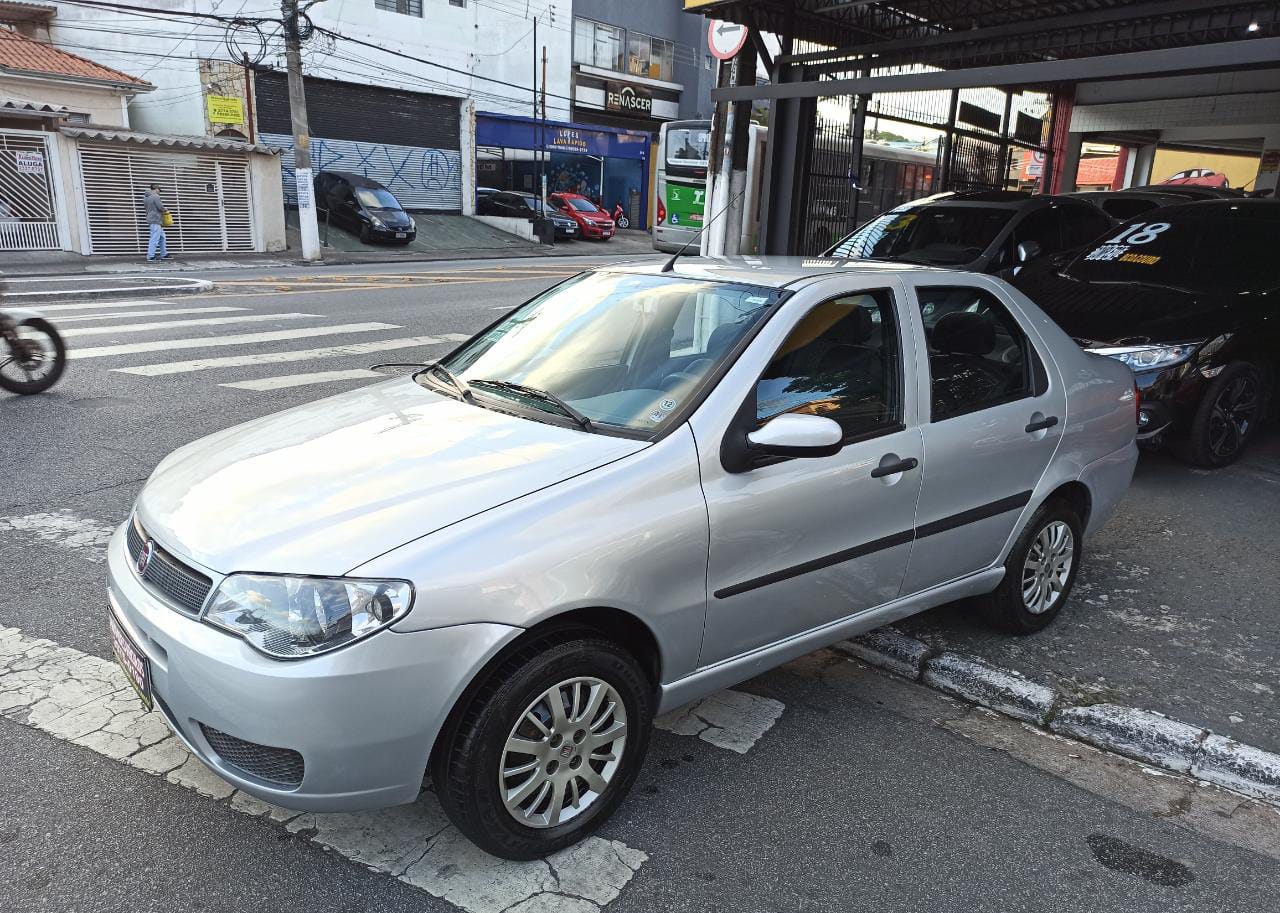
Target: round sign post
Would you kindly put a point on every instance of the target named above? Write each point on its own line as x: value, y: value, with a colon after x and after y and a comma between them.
x: 725, y: 39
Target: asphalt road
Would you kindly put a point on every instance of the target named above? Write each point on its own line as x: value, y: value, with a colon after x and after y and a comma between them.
x: 841, y: 789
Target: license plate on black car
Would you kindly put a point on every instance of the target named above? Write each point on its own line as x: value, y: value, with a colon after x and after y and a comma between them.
x: 136, y: 666
x: 401, y: 234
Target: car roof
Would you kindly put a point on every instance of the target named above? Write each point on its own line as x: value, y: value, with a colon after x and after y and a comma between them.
x: 998, y: 199
x: 1263, y: 208
x: 1129, y: 194
x: 773, y: 272
x: 356, y: 180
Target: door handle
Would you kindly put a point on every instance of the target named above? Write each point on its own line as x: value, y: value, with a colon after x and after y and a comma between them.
x: 1041, y: 425
x: 900, y: 466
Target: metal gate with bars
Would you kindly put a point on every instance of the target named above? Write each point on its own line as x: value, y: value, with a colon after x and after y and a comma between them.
x: 206, y: 191
x: 28, y: 204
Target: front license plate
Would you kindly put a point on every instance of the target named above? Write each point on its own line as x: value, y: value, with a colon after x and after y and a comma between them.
x: 136, y: 666
x: 401, y: 234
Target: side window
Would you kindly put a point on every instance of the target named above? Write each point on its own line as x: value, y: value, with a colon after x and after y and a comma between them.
x: 1081, y: 224
x: 1044, y: 227
x: 978, y: 355
x: 842, y: 361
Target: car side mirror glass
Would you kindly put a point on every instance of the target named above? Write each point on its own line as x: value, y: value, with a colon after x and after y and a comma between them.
x: 795, y: 435
x: 1028, y: 251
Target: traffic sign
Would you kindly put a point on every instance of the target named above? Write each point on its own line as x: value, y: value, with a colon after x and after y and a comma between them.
x: 725, y: 39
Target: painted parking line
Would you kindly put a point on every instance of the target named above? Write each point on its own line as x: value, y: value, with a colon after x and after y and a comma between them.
x: 235, y: 339
x: 285, y: 381
x: 264, y: 358
x: 164, y: 325
x: 87, y: 701
x: 64, y: 529
x: 734, y: 720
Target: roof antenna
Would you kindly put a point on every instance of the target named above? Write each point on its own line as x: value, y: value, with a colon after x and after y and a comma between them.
x: 670, y: 264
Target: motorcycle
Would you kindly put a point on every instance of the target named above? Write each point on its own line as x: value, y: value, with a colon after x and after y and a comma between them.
x: 32, y: 353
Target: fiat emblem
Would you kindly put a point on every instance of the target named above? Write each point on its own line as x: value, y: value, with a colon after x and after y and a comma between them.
x: 148, y: 552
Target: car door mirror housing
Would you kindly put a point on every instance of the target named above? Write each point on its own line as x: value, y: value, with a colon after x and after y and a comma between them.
x: 1028, y: 251
x: 795, y: 435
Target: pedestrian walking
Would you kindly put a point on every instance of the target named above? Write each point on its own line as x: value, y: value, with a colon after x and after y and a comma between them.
x: 157, y: 214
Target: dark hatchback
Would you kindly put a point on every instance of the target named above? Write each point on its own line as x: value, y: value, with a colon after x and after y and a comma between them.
x: 997, y: 232
x: 364, y: 207
x: 1189, y: 297
x: 514, y: 204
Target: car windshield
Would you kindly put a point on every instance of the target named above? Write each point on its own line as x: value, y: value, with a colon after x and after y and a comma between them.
x: 581, y: 204
x: 689, y: 147
x: 624, y: 350
x: 1228, y: 249
x: 944, y: 235
x: 376, y: 199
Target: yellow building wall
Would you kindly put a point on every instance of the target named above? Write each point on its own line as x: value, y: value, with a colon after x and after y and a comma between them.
x: 1240, y: 170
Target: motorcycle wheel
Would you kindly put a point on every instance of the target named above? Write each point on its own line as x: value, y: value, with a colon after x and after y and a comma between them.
x: 39, y: 369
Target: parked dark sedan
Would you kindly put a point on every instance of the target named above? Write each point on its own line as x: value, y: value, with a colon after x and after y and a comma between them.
x: 514, y: 204
x: 1189, y: 297
x: 364, y: 207
x: 992, y: 232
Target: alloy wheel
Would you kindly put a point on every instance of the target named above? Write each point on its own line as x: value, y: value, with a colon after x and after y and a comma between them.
x: 1232, y: 417
x: 1047, y: 567
x: 563, y: 752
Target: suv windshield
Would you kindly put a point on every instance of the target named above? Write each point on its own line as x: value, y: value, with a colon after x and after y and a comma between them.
x: 376, y: 199
x: 624, y: 350
x: 943, y: 234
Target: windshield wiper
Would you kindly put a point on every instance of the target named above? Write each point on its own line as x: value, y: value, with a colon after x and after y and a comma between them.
x: 458, y: 384
x: 544, y: 395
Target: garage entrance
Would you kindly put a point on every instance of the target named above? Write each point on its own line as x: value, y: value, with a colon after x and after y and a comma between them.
x: 28, y: 204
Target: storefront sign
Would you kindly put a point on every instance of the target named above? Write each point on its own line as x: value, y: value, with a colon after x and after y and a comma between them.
x: 619, y: 96
x: 29, y: 162
x: 510, y: 132
x: 225, y: 109
x: 567, y: 139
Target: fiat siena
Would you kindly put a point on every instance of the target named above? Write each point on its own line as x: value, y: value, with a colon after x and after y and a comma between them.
x: 638, y: 488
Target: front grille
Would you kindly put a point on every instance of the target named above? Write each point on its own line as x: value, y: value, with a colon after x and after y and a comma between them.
x: 185, y: 587
x: 282, y: 766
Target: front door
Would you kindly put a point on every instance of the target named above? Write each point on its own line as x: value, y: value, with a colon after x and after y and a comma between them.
x: 799, y: 543
x: 996, y: 414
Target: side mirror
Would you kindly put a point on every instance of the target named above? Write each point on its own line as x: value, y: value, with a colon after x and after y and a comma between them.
x: 1028, y: 251
x: 794, y: 435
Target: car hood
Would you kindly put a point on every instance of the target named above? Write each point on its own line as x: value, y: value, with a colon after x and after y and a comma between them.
x: 1114, y: 312
x: 325, y: 487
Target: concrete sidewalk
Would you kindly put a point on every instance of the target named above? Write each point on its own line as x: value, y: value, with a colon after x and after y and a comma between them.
x: 441, y: 237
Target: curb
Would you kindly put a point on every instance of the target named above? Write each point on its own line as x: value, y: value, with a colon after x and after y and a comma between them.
x: 1142, y: 735
x: 137, y: 288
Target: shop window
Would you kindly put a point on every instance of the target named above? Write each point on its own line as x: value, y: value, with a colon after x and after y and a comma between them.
x: 403, y: 7
x: 597, y: 45
x: 461, y: 4
x: 651, y: 57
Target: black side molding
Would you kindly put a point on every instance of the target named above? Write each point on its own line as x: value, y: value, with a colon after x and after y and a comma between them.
x: 973, y: 515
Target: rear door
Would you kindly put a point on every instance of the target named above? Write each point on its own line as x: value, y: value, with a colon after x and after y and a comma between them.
x: 992, y: 414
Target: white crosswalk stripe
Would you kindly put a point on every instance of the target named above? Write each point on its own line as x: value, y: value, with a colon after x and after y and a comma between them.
x: 265, y: 358
x: 98, y: 305
x: 85, y: 318
x: 166, y: 345
x: 302, y: 380
x: 183, y: 324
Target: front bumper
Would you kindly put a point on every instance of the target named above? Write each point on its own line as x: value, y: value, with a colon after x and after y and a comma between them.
x: 1170, y: 397
x: 363, y: 718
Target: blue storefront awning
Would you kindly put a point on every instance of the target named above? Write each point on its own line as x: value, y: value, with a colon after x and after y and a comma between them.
x: 524, y: 133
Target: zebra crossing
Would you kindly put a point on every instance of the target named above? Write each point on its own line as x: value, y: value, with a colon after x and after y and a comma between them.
x: 176, y: 344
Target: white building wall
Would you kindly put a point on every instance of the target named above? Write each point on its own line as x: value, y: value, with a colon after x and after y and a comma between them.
x: 478, y: 40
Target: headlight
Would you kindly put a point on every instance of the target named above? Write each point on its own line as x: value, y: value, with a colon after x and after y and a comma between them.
x: 413, y: 224
x: 295, y: 617
x: 377, y: 223
x: 1144, y: 358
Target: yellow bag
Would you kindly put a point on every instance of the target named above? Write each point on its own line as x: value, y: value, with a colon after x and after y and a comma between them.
x: 166, y: 220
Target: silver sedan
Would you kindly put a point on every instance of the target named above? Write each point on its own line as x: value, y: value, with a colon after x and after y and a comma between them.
x: 638, y: 488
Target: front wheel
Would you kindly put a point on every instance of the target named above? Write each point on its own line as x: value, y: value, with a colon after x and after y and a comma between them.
x: 546, y: 748
x: 1039, y: 572
x: 36, y: 361
x: 1226, y: 419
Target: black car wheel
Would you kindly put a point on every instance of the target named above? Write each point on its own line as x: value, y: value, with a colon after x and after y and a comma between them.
x: 365, y: 234
x: 1039, y: 572
x: 1226, y: 419
x: 545, y: 748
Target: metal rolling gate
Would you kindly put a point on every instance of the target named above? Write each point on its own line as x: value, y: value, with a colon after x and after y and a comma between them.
x: 206, y: 191
x: 28, y: 204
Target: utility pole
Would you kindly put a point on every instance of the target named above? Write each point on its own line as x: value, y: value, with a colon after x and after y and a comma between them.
x: 301, y: 134
x: 248, y: 99
x: 543, y: 132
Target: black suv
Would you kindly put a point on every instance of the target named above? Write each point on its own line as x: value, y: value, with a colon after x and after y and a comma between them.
x: 999, y: 232
x: 1189, y: 297
x: 363, y: 206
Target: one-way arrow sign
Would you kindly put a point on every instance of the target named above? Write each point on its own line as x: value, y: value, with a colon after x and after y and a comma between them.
x: 725, y: 39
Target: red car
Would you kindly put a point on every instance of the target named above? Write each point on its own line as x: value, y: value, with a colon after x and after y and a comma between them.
x: 593, y: 222
x: 1199, y: 177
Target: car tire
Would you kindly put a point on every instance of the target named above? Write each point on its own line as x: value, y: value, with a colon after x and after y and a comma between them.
x: 512, y: 703
x: 1036, y: 580
x: 1220, y: 413
x: 365, y: 236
